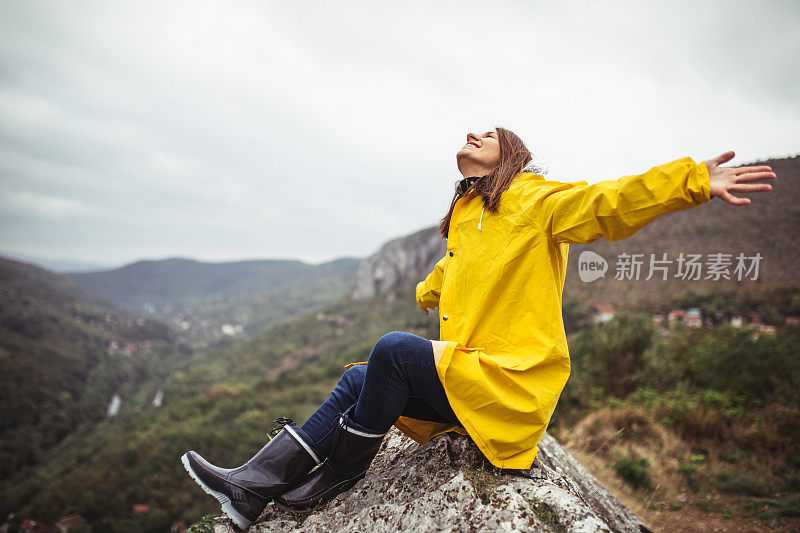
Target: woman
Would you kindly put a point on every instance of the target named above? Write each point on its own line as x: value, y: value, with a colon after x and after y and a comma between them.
x: 502, y: 361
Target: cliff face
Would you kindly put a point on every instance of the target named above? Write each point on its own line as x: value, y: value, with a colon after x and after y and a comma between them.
x: 401, y: 262
x: 446, y: 485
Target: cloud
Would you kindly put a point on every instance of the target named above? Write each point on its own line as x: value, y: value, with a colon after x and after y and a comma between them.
x: 258, y: 129
x: 28, y: 205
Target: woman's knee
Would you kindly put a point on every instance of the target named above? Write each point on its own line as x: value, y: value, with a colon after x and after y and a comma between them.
x: 391, y: 348
x: 388, y: 345
x: 352, y: 380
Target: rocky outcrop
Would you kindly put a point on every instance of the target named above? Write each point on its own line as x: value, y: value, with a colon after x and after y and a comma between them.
x: 446, y: 485
x: 401, y: 262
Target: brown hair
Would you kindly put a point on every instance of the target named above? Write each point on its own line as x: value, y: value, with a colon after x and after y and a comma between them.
x: 514, y: 156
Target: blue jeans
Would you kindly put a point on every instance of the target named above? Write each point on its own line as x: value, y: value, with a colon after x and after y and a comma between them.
x: 399, y: 379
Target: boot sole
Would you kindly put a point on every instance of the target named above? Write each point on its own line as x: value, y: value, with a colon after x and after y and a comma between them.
x: 225, y: 502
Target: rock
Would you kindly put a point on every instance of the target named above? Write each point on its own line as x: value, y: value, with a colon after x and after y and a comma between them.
x: 447, y: 485
x: 399, y: 263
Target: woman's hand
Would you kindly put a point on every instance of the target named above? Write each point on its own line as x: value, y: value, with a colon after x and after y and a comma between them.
x: 426, y: 311
x: 725, y: 180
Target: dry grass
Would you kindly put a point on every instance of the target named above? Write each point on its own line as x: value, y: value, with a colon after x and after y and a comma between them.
x: 598, y: 438
x: 677, y: 466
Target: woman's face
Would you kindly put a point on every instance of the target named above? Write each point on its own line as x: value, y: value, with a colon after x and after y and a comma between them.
x: 480, y: 155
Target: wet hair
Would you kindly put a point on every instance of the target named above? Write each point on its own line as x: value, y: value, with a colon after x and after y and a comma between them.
x: 514, y: 157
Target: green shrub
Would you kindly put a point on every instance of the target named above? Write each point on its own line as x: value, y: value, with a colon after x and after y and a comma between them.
x: 737, y: 483
x: 739, y: 365
x: 715, y: 399
x: 205, y: 525
x: 792, y: 480
x: 611, y: 356
x: 633, y: 470
x: 789, y: 505
x: 689, y: 471
x: 707, y: 504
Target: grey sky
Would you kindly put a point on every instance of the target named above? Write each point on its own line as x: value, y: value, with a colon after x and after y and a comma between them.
x: 232, y: 130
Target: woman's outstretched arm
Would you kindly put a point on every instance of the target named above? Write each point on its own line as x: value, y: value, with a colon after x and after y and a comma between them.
x: 579, y: 213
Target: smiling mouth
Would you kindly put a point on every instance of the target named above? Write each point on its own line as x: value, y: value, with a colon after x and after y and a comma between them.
x: 471, y: 144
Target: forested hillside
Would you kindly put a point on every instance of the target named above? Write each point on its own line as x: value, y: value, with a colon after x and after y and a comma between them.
x: 715, y: 396
x: 63, y: 353
x: 218, y: 402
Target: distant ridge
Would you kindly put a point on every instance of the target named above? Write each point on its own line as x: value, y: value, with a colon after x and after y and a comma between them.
x: 210, y: 302
x: 179, y: 281
x: 57, y: 265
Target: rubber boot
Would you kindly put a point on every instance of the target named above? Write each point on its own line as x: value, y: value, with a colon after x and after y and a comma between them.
x: 243, y: 492
x: 352, y: 451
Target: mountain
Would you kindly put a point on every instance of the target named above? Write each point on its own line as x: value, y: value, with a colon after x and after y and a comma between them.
x: 64, y: 351
x: 398, y: 264
x: 205, y: 301
x: 186, y: 281
x: 57, y: 265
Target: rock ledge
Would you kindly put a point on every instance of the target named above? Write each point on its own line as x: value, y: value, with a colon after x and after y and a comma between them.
x: 447, y: 485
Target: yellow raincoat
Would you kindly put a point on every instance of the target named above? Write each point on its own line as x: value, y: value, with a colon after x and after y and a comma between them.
x: 503, y: 357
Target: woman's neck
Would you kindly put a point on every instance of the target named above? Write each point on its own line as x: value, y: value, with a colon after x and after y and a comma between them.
x: 469, y: 169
